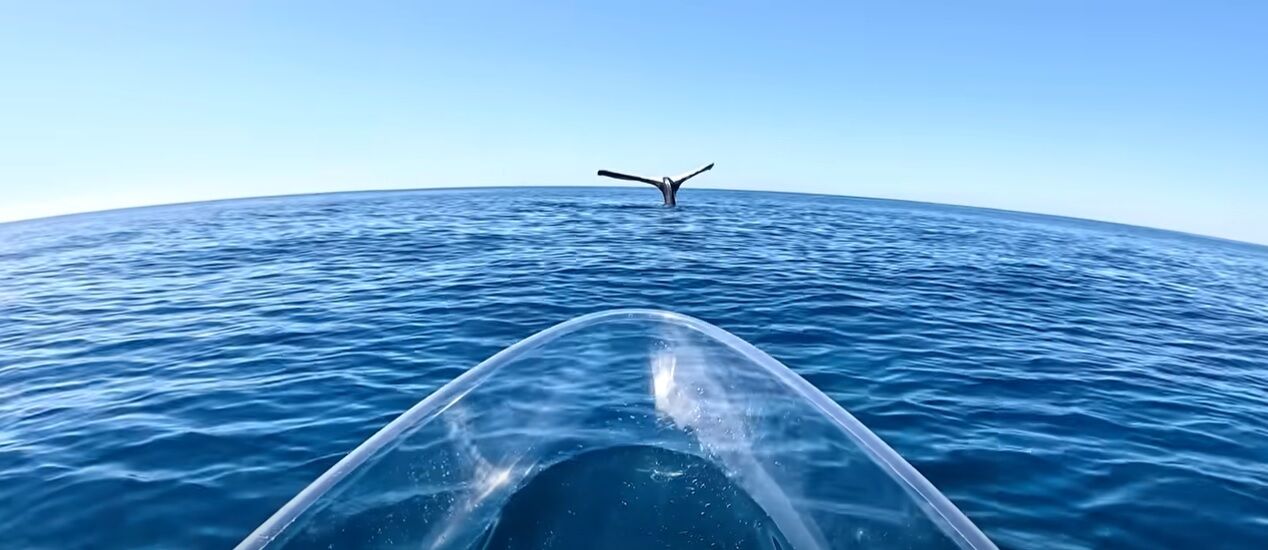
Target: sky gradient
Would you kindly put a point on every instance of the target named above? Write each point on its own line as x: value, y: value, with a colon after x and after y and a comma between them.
x: 1149, y: 113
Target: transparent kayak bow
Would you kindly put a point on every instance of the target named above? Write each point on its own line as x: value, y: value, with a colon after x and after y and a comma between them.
x: 622, y: 429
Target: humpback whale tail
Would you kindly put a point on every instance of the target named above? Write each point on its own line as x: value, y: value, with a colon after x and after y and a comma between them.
x: 668, y: 186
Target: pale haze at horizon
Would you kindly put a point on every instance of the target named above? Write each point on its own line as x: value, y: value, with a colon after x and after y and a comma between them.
x: 1147, y: 113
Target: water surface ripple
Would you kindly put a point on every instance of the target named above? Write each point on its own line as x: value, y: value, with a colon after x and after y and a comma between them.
x: 170, y: 376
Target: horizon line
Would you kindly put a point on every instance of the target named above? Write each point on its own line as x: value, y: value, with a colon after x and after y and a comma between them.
x: 472, y: 187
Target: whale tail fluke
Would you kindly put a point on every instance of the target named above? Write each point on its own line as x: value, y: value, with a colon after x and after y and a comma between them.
x: 668, y: 186
x: 620, y: 176
x: 678, y: 181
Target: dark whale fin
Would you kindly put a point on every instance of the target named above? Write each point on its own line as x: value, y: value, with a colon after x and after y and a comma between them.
x: 668, y: 186
x: 678, y: 181
x: 620, y: 176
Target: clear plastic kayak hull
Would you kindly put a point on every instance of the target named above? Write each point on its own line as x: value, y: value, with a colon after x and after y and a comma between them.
x: 623, y: 429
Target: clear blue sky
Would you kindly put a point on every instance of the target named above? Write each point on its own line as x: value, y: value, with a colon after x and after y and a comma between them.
x: 1148, y: 112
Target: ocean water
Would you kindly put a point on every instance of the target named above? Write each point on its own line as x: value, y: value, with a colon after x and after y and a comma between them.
x: 170, y: 376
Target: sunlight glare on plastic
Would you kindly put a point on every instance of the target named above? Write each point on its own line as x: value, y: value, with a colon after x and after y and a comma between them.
x: 623, y: 429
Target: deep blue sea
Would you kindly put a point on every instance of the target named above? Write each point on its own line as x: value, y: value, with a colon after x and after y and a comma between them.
x: 170, y: 376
